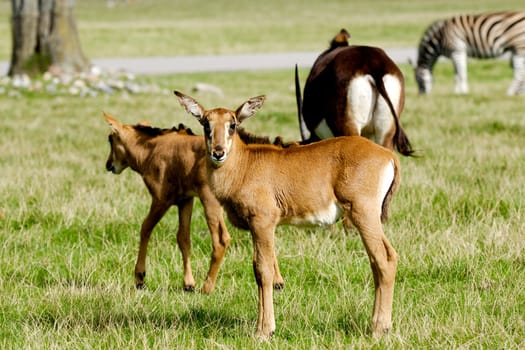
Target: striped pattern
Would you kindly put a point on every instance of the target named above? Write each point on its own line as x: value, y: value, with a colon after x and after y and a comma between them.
x: 481, y: 36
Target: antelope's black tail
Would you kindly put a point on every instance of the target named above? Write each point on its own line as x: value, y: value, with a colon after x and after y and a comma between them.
x: 401, y: 142
x: 302, y: 125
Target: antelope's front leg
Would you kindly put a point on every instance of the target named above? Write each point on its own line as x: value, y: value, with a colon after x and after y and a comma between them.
x: 219, y: 236
x: 156, y: 212
x: 184, y: 242
x: 263, y: 267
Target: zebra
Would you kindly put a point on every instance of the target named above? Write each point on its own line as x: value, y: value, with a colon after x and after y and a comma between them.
x: 486, y: 35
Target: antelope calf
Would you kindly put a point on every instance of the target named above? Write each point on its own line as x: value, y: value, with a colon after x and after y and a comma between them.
x: 353, y: 90
x: 171, y: 163
x: 262, y: 186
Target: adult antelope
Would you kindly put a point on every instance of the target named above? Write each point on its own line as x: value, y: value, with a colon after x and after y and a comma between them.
x: 262, y: 186
x: 171, y: 163
x: 353, y: 90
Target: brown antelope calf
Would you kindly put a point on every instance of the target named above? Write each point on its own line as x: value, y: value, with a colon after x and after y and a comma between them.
x: 353, y: 90
x: 262, y: 186
x: 171, y: 163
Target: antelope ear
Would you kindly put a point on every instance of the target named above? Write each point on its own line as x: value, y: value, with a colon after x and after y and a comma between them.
x: 190, y: 105
x: 114, y: 124
x: 249, y: 108
x: 342, y: 37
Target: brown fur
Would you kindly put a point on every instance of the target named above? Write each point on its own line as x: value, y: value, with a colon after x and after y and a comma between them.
x: 326, y: 90
x: 263, y: 186
x: 171, y: 163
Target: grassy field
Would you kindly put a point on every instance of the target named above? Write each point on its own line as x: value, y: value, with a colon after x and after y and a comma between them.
x: 175, y: 27
x: 69, y: 229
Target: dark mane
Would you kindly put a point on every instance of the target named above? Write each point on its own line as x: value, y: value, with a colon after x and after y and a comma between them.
x: 152, y: 131
x: 245, y: 136
x: 249, y: 138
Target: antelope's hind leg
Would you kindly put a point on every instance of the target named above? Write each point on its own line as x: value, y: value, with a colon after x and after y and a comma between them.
x: 383, y: 262
x: 184, y: 242
x: 278, y: 281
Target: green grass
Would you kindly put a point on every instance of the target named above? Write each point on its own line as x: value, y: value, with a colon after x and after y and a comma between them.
x: 175, y: 27
x: 69, y: 230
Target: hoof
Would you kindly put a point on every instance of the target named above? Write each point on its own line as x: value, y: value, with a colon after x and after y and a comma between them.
x: 206, y: 289
x: 379, y: 333
x: 208, y: 286
x: 259, y: 335
x: 278, y: 286
x: 139, y: 279
x: 189, y: 288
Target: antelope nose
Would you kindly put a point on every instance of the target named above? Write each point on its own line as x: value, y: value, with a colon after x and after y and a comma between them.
x: 110, y: 167
x: 218, y: 152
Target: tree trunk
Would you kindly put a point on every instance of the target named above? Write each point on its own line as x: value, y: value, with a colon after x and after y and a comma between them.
x: 45, y: 38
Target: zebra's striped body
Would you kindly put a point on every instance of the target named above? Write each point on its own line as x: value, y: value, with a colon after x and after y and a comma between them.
x: 487, y: 35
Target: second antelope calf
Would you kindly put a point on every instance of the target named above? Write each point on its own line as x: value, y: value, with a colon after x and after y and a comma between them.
x: 262, y: 186
x: 171, y: 163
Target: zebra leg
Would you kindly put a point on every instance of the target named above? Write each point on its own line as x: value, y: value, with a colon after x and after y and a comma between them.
x: 518, y: 83
x: 459, y: 60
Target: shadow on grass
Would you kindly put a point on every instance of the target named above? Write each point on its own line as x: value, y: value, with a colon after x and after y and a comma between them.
x: 355, y: 323
x: 205, y: 321
x: 195, y: 320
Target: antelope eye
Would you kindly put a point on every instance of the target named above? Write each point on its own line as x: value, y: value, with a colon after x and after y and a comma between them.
x: 233, y: 126
x: 207, y: 129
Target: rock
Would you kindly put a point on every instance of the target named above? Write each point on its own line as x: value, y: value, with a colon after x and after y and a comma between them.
x: 204, y: 87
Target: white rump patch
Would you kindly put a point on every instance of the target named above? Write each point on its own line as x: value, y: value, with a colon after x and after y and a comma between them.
x: 386, y: 181
x: 369, y: 110
x: 383, y: 118
x: 393, y: 89
x: 361, y: 99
